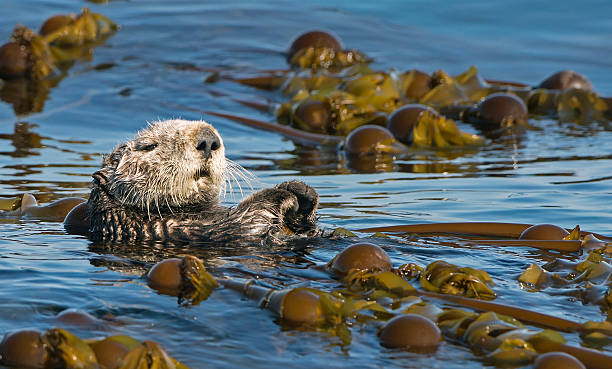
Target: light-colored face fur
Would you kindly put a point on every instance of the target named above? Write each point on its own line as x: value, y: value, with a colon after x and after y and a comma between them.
x: 165, y: 168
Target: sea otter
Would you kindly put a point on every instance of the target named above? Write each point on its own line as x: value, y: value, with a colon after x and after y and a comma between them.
x: 165, y: 185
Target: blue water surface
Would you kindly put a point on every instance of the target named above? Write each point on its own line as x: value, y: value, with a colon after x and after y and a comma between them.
x: 154, y: 68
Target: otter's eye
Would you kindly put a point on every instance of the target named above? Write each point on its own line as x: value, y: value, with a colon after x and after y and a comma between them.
x: 146, y: 147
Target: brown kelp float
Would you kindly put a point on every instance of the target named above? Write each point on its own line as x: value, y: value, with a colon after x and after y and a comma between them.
x: 58, y: 348
x: 570, y: 97
x: 186, y: 278
x: 552, y: 360
x: 13, y: 60
x: 412, y: 332
x: 544, y: 232
x: 371, y: 139
x: 402, y: 121
x: 79, y: 318
x: 320, y: 49
x: 23, y: 348
x: 25, y: 55
x: 566, y: 79
x: 360, y: 256
x: 498, y: 110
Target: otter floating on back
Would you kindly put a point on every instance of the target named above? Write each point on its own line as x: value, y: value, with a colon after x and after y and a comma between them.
x: 165, y: 185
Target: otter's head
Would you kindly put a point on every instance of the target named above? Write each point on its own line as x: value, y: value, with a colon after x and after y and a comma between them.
x: 171, y: 165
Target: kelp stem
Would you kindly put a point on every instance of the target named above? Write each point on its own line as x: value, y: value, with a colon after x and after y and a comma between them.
x: 495, y: 229
x: 512, y: 230
x: 247, y: 288
x: 253, y: 104
x: 297, y: 135
x: 559, y: 245
x: 521, y: 314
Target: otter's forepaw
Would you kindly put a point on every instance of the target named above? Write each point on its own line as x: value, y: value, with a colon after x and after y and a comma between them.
x: 308, y: 198
x: 290, y: 205
x: 303, y: 220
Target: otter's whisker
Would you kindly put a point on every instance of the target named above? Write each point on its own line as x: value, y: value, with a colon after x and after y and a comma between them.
x: 148, y: 209
x: 233, y: 175
x: 238, y: 174
x: 157, y: 206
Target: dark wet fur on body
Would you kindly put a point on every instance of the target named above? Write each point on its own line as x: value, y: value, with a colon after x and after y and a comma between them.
x: 165, y: 185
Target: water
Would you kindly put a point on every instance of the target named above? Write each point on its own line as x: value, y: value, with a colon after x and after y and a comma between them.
x: 154, y: 68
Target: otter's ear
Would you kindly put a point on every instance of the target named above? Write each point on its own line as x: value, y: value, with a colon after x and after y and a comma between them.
x: 101, y: 177
x: 109, y: 164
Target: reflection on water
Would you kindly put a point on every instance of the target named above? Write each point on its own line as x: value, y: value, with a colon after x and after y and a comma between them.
x: 155, y: 68
x: 23, y: 139
x: 26, y: 96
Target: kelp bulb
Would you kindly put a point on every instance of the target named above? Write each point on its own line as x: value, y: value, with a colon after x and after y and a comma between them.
x: 412, y: 332
x: 23, y: 349
x: 13, y: 60
x: 315, y: 38
x: 402, y: 121
x: 566, y: 79
x: 543, y: 232
x: 367, y: 139
x: 498, y: 107
x: 166, y: 274
x: 557, y: 360
x: 360, y: 256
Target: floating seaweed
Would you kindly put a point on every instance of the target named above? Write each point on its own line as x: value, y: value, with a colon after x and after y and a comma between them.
x: 331, y: 92
x: 447, y: 278
x: 58, y: 348
x: 33, y: 59
x: 67, y: 31
x: 33, y: 63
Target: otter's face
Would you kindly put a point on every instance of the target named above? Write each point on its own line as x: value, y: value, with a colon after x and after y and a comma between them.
x: 169, y: 165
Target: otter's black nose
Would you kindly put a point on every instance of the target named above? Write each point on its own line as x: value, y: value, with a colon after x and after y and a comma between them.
x: 208, y: 144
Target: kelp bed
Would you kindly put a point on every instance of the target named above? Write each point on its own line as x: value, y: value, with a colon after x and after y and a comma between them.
x: 480, y: 293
